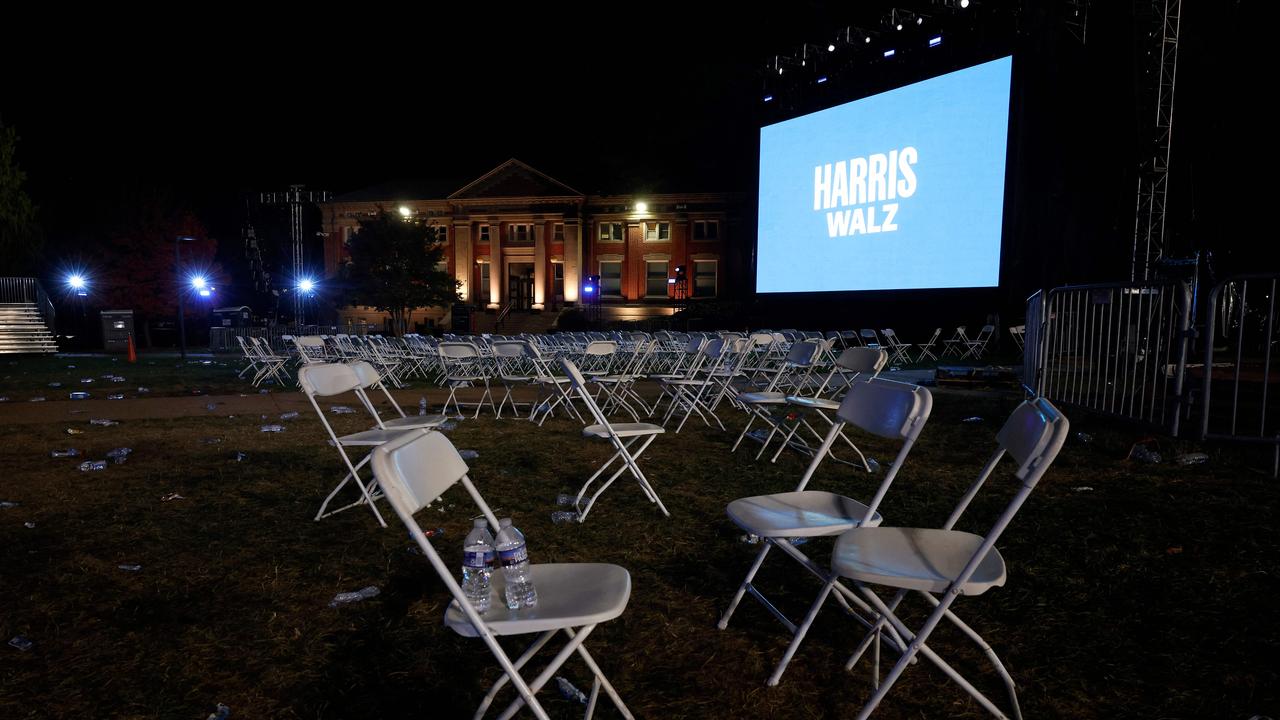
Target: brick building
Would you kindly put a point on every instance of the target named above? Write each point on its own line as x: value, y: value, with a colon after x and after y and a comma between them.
x: 518, y: 237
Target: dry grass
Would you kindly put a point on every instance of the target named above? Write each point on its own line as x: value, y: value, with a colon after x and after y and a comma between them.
x: 1150, y: 596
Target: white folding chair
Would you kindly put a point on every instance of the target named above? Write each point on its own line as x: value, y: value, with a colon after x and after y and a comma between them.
x: 882, y: 407
x: 573, y: 598
x: 853, y: 364
x: 464, y: 367
x: 327, y: 380
x: 977, y: 347
x: 926, y: 349
x: 957, y: 343
x: 898, y: 350
x: 1019, y: 333
x: 943, y: 564
x: 623, y: 450
x: 369, y: 378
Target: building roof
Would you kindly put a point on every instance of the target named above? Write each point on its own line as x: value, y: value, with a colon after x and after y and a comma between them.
x: 513, y: 179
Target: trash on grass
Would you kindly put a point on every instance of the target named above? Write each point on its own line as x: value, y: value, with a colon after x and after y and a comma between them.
x: 447, y: 426
x: 130, y: 567
x: 1196, y: 458
x: 565, y: 516
x: 55, y: 384
x: 289, y: 415
x: 171, y: 497
x: 89, y: 465
x: 565, y: 499
x: 241, y: 457
x: 468, y: 454
x: 120, y: 454
x: 38, y: 398
x: 29, y: 525
x: 143, y: 391
x: 86, y: 381
x: 1082, y: 488
x: 1142, y: 453
x: 264, y: 391
x: 21, y: 643
x: 116, y: 396
x: 74, y: 431
x: 79, y: 395
x: 346, y: 598
x: 873, y: 465
x: 974, y: 419
x: 341, y: 410
x: 272, y: 428
x: 6, y: 504
x: 211, y: 407
x: 69, y: 452
x: 222, y: 713
x: 569, y: 692
x: 103, y: 422
x: 749, y: 539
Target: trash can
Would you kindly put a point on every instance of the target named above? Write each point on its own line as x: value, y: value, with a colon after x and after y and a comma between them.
x: 117, y: 327
x: 240, y: 316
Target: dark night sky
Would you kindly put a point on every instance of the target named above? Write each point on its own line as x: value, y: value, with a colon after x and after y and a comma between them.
x: 659, y: 97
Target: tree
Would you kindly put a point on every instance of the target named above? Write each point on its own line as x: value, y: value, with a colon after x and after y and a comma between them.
x: 20, y: 238
x: 136, y: 259
x: 393, y: 268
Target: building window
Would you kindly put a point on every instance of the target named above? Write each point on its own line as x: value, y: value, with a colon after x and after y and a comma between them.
x: 484, y: 234
x: 706, y: 229
x: 442, y: 266
x: 520, y: 234
x: 611, y: 279
x: 655, y: 280
x: 557, y: 232
x: 557, y: 282
x: 704, y: 278
x: 442, y: 233
x: 657, y: 231
x: 483, y: 295
x: 611, y: 232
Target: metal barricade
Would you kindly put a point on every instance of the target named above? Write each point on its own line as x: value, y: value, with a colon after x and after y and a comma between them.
x: 1115, y: 348
x: 223, y: 339
x: 1241, y: 333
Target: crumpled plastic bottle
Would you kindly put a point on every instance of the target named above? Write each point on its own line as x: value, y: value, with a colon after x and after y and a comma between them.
x: 569, y: 692
x: 346, y: 598
x: 272, y: 428
x: 564, y: 516
x: 222, y: 712
x: 89, y: 465
x: 289, y: 415
x: 119, y: 455
x: 69, y: 452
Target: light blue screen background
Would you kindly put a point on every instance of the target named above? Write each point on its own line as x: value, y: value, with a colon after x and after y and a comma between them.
x: 948, y: 232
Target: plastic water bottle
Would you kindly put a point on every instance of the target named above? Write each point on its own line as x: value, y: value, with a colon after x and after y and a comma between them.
x: 477, y: 565
x: 513, y: 554
x: 422, y: 406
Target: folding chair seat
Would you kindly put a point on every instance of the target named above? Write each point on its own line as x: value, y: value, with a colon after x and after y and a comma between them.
x: 327, y: 380
x: 926, y: 349
x: 941, y: 565
x: 369, y: 378
x: 573, y: 598
x: 886, y: 408
x: 627, y: 452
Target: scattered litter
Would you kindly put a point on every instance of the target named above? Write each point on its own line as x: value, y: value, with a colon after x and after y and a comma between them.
x: 422, y: 406
x: 120, y: 454
x: 447, y: 426
x: 117, y: 379
x: 55, y: 384
x: 759, y: 434
x: 873, y: 465
x: 71, y: 367
x: 116, y: 396
x: 38, y: 398
x: 210, y: 440
x: 241, y: 457
x: 1084, y: 437
x: 272, y: 428
x: 565, y: 499
x: 103, y: 422
x: 6, y: 504
x: 565, y: 516
x: 289, y: 415
x: 29, y: 525
x: 749, y: 539
x: 1142, y: 453
x: 264, y: 391
x: 211, y: 407
x: 351, y: 597
x: 341, y: 410
x: 80, y: 395
x: 130, y: 568
x: 3, y: 398
x: 21, y: 643
x: 569, y: 692
x: 143, y: 391
x: 89, y: 465
x: 86, y: 381
x: 468, y: 454
x: 1175, y: 550
x: 798, y: 541
x: 108, y: 376
x: 1197, y: 458
x: 223, y: 712
x: 74, y: 431
x: 171, y: 497
x: 1082, y: 488
x: 69, y: 452
x: 974, y: 419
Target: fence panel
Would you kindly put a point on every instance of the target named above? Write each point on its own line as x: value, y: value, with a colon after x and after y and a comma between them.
x: 223, y: 339
x: 1114, y: 348
x: 1241, y: 334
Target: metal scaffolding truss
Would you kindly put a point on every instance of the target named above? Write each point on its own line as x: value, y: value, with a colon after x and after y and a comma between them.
x: 1153, y: 175
x: 295, y: 198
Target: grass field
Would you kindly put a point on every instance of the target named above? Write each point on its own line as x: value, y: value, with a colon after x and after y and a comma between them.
x: 1150, y: 595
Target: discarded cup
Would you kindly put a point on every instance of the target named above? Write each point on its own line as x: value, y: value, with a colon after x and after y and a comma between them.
x: 569, y: 692
x: 120, y: 454
x: 21, y: 643
x: 341, y: 410
x: 468, y: 454
x: 130, y: 568
x: 222, y: 713
x: 69, y: 452
x: 1197, y: 458
x: 171, y: 497
x: 565, y: 516
x: 116, y: 396
x: 272, y: 428
x: 345, y: 598
x: 289, y: 415
x: 103, y: 422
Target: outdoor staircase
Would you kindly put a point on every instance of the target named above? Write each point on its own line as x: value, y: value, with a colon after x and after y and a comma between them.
x: 515, y: 322
x: 23, y: 330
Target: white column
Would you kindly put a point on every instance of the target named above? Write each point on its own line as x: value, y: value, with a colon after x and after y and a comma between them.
x: 496, y: 268
x: 539, y: 266
x: 463, y: 260
x: 572, y: 259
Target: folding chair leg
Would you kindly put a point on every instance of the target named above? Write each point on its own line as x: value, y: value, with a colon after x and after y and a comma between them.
x: 800, y: 632
x: 548, y: 671
x: 746, y: 584
x: 519, y: 663
x: 601, y: 681
x: 353, y: 473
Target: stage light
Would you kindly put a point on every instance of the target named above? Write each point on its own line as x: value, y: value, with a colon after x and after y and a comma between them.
x: 779, y: 71
x: 588, y: 289
x: 919, y: 21
x: 935, y: 41
x: 206, y: 292
x: 964, y: 4
x: 671, y: 281
x: 642, y: 207
x: 822, y: 79
x: 405, y: 211
x: 867, y: 40
x: 831, y: 47
x: 198, y: 282
x: 76, y: 282
x: 889, y: 53
x: 899, y: 26
x: 306, y: 285
x: 768, y: 98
